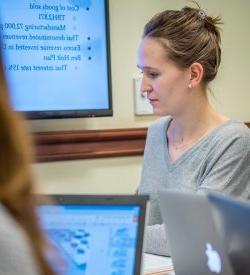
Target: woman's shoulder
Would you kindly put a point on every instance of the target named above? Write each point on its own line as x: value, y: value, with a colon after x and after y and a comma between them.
x: 233, y: 129
x: 10, y: 231
x: 5, y: 219
x: 160, y: 123
x: 233, y: 135
x: 15, y: 251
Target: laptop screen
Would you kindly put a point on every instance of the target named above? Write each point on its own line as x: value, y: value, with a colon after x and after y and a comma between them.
x: 93, y: 239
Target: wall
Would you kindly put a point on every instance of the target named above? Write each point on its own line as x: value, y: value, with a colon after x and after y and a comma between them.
x: 127, y: 18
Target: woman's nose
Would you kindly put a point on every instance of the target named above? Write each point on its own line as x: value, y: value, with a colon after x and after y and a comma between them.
x: 145, y: 85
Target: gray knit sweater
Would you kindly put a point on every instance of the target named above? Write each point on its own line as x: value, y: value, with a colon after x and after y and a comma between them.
x: 218, y: 162
x: 15, y: 253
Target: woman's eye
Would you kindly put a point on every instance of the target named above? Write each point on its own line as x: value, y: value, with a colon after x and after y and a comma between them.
x: 153, y: 75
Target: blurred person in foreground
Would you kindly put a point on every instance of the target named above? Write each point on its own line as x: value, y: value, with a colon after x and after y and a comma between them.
x: 23, y: 247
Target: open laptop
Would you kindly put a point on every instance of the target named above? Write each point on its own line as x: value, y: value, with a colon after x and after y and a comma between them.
x: 196, y: 245
x: 95, y: 234
x: 232, y: 218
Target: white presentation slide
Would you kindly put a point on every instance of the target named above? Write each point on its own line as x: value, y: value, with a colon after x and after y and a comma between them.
x: 55, y: 54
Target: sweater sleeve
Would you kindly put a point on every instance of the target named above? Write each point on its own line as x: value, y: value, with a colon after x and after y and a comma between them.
x: 155, y: 241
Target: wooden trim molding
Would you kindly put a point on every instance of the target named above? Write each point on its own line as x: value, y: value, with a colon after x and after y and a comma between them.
x: 72, y: 145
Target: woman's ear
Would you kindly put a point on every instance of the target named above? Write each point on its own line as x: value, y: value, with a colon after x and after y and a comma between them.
x: 196, y: 74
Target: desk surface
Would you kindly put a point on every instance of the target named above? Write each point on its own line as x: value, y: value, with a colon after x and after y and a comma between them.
x: 157, y: 265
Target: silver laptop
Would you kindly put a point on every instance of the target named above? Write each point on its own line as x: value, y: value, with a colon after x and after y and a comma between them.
x: 232, y: 218
x: 196, y: 246
x: 95, y: 234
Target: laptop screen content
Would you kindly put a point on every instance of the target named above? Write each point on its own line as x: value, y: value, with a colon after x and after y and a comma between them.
x: 93, y: 239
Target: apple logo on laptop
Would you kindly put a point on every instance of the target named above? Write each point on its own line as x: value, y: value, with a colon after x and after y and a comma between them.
x: 213, y: 259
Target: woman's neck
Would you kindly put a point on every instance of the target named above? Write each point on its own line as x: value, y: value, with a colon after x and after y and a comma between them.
x: 187, y: 128
x: 197, y: 117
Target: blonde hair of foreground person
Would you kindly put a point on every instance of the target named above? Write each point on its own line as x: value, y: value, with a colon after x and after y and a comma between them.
x: 16, y: 183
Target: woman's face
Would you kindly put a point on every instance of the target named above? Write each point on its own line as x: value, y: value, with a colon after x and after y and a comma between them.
x: 166, y: 85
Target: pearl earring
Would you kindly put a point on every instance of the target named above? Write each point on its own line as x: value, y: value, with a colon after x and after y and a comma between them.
x: 190, y: 86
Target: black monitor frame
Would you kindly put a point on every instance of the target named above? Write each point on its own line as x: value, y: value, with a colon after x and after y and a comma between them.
x: 104, y: 200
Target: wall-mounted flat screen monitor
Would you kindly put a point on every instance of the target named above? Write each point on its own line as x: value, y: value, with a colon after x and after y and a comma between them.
x: 56, y: 57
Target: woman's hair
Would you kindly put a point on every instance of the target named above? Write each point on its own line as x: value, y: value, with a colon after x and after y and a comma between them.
x: 16, y: 184
x: 189, y: 36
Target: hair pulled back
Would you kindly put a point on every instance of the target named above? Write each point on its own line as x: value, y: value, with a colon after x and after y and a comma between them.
x: 188, y: 36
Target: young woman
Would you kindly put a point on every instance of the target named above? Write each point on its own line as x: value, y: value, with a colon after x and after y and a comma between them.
x: 193, y: 148
x: 22, y: 245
